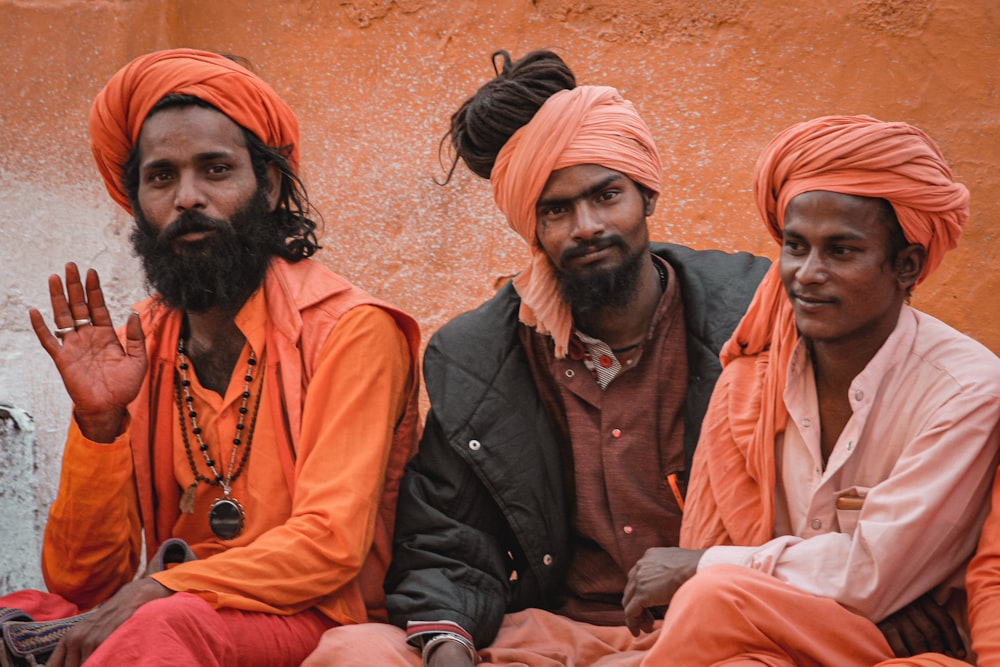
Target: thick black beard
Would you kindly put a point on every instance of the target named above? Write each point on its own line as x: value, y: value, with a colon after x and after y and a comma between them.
x: 591, y: 291
x: 220, y: 271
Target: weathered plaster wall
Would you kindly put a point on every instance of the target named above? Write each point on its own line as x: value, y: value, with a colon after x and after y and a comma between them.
x: 374, y: 82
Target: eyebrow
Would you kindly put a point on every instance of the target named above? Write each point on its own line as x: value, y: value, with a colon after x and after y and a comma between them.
x: 851, y: 236
x: 589, y: 192
x: 207, y: 156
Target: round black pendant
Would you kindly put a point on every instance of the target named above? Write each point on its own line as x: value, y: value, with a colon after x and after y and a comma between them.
x: 226, y: 518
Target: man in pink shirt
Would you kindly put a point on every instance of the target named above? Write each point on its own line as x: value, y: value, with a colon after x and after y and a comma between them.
x: 846, y: 456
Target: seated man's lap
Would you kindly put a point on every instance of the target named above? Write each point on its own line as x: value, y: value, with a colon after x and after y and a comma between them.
x: 530, y: 637
x: 186, y: 625
x: 189, y: 624
x: 728, y: 612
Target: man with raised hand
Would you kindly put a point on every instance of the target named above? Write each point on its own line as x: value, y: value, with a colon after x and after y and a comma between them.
x: 258, y: 406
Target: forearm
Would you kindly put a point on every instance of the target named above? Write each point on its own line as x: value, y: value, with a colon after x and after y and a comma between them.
x: 448, y: 563
x: 92, y: 538
x: 983, y: 582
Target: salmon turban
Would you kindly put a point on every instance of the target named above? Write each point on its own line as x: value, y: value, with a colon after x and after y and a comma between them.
x: 585, y: 125
x: 854, y: 155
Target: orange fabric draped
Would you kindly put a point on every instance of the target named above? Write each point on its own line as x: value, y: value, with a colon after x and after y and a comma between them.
x: 924, y: 660
x: 118, y: 112
x: 585, y: 125
x: 731, y: 497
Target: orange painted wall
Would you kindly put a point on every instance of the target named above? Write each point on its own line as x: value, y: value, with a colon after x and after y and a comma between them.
x: 374, y: 82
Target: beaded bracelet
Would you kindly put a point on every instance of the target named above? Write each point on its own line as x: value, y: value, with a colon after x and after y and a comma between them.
x: 434, y: 642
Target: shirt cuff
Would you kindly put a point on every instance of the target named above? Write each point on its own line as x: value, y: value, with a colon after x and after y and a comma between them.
x: 727, y: 555
x: 417, y: 632
x: 426, y: 636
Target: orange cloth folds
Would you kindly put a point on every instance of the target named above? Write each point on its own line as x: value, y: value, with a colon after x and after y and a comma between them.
x: 340, y: 393
x: 120, y: 109
x: 856, y: 155
x: 585, y: 125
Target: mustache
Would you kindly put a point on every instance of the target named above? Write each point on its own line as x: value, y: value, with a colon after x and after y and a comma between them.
x: 600, y: 243
x: 192, y: 221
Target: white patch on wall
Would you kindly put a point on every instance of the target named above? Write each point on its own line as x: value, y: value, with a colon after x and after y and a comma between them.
x: 44, y: 227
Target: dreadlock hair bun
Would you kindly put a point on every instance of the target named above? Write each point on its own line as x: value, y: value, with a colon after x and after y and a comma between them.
x: 485, y: 121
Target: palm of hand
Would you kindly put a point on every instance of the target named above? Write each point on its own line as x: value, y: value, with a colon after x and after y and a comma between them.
x: 101, y: 374
x: 98, y: 373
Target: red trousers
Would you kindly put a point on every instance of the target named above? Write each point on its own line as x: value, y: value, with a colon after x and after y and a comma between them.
x: 185, y: 630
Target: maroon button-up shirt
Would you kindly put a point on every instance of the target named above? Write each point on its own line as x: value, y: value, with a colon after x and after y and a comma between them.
x: 620, y: 445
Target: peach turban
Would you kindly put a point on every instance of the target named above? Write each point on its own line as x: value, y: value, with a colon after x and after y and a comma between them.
x: 855, y: 155
x: 585, y: 125
x: 120, y: 109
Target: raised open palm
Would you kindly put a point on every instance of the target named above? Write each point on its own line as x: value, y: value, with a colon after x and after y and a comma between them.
x: 101, y: 375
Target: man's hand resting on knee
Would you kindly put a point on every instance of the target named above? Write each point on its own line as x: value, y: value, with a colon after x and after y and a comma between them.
x: 653, y: 581
x: 91, y: 632
x: 923, y: 626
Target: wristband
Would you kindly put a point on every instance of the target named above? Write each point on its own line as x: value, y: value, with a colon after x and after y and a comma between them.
x: 434, y: 642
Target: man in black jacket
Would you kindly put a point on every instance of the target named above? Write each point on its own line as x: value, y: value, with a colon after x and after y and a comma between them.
x: 565, y: 410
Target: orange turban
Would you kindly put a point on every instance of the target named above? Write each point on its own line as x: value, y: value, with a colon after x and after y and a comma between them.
x: 855, y: 155
x: 119, y: 110
x: 585, y: 125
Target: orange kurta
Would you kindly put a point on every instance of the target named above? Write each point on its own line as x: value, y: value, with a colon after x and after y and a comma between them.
x: 338, y: 420
x: 983, y: 585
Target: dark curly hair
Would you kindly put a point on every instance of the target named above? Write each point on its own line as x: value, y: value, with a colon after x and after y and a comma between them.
x: 294, y: 230
x: 485, y: 121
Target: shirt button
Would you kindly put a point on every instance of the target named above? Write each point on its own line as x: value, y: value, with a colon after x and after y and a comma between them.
x: 850, y: 445
x: 616, y: 433
x: 605, y: 360
x: 474, y: 445
x: 806, y: 423
x: 570, y: 372
x: 627, y: 530
x: 816, y: 524
x: 547, y: 559
x: 858, y: 395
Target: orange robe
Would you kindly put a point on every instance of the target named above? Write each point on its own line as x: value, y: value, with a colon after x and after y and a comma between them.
x: 340, y: 387
x: 983, y: 584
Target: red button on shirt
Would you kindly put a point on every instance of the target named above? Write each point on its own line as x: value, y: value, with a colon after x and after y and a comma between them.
x: 616, y: 433
x: 605, y: 361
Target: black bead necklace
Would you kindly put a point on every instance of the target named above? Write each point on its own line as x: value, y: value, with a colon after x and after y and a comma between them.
x: 226, y: 517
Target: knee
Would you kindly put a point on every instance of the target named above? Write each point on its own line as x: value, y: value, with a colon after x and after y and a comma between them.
x: 713, y: 587
x: 362, y: 644
x: 178, y: 611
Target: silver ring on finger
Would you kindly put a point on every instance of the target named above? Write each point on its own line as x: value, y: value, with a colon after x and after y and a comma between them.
x: 82, y: 323
x: 62, y: 331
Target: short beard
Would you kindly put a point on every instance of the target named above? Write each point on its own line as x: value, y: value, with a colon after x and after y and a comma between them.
x: 219, y: 271
x: 592, y: 291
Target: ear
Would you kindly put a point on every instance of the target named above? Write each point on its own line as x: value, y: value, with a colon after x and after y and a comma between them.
x: 649, y: 200
x: 273, y: 185
x: 909, y: 265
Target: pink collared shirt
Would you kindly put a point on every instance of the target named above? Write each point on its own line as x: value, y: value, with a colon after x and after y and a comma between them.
x: 911, y: 473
